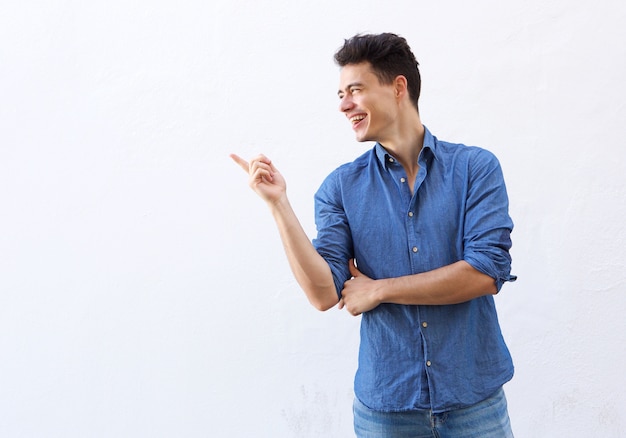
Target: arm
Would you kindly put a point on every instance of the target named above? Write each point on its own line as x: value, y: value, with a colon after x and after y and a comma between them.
x: 309, y: 268
x: 451, y: 284
x: 485, y: 263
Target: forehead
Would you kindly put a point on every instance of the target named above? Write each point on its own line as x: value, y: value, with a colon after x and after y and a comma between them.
x: 356, y: 73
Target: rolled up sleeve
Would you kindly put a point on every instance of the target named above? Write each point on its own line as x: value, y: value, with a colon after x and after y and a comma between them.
x: 488, y: 226
x: 333, y: 241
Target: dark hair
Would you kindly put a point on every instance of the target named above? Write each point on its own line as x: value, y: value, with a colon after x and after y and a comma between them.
x: 388, y: 54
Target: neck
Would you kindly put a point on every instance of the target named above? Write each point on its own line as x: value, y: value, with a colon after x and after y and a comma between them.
x: 406, y: 141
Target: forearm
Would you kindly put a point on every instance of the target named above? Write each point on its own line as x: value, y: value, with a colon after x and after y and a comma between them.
x: 452, y: 284
x: 309, y: 268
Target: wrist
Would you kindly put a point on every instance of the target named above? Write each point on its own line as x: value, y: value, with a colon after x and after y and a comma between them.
x: 279, y: 204
x: 382, y: 291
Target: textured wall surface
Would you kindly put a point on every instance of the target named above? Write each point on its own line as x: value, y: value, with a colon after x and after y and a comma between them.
x: 143, y: 288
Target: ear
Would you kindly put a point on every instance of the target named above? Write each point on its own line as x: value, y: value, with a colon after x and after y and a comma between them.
x: 400, y: 86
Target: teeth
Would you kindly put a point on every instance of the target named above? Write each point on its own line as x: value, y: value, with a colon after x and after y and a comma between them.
x: 357, y: 118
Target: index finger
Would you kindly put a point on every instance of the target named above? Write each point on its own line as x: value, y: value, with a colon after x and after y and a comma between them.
x: 242, y: 163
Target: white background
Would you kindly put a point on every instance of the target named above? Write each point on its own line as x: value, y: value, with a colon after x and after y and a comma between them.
x: 143, y: 287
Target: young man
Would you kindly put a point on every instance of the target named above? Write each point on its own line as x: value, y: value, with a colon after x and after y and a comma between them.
x: 413, y: 235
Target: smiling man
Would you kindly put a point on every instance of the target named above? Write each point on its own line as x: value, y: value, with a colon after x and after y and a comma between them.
x: 414, y: 235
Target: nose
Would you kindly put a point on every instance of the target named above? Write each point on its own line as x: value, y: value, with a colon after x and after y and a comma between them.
x: 346, y: 103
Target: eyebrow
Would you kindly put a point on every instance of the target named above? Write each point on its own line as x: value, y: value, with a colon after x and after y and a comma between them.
x: 353, y: 84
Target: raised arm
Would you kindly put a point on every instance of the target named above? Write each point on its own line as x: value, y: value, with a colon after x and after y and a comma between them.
x: 309, y: 268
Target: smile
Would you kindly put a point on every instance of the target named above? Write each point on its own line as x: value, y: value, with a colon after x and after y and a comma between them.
x: 357, y: 118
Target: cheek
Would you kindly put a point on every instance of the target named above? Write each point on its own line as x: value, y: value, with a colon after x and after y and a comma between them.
x: 381, y: 114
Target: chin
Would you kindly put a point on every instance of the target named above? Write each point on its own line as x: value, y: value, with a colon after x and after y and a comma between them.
x: 362, y: 137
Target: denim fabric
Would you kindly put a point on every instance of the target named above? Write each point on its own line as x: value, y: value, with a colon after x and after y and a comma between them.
x: 422, y: 357
x: 486, y: 419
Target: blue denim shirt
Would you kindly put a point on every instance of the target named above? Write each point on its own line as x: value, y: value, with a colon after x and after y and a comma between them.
x: 439, y: 357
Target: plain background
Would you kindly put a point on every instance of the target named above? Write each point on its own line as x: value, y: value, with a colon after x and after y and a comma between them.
x: 143, y: 287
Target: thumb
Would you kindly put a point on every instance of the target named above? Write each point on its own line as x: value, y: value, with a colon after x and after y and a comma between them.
x: 353, y: 269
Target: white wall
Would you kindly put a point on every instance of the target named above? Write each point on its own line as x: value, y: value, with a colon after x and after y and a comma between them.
x: 143, y: 288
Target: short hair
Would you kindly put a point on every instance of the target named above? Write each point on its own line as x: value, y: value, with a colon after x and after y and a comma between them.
x: 388, y: 54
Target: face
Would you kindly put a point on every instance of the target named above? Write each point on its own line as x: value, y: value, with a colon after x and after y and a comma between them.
x: 370, y: 106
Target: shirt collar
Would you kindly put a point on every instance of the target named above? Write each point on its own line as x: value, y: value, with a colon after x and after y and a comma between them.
x: 429, y: 146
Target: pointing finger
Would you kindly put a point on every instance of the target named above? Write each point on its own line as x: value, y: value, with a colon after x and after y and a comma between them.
x: 242, y: 163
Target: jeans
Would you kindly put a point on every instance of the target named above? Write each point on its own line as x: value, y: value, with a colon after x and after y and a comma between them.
x: 487, y: 419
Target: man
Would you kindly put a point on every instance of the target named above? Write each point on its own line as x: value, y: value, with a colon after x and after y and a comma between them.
x: 413, y: 235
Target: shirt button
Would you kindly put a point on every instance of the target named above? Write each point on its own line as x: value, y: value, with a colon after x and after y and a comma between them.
x: 414, y: 249
x: 424, y: 324
x: 428, y: 363
x: 391, y: 160
x: 410, y: 214
x: 402, y: 179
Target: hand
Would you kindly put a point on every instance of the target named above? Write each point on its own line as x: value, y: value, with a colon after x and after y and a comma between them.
x: 265, y: 179
x: 359, y: 293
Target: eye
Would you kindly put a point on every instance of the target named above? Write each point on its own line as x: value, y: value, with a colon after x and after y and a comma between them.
x: 354, y: 90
